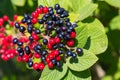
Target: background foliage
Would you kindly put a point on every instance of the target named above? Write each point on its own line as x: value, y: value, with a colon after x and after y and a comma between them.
x: 82, y: 11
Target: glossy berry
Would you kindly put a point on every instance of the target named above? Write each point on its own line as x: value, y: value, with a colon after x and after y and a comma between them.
x: 41, y: 66
x: 44, y: 52
x: 57, y: 6
x: 58, y: 64
x: 70, y: 43
x: 27, y: 50
x: 53, y: 61
x: 74, y: 55
x: 37, y: 31
x: 73, y: 34
x: 35, y: 66
x: 30, y: 38
x: 22, y: 29
x: 40, y: 21
x: 5, y: 17
x: 15, y: 40
x: 19, y: 43
x: 25, y: 58
x: 17, y: 25
x: 50, y: 65
x: 79, y: 50
x: 34, y: 20
x: 19, y: 49
x: 30, y: 63
x: 69, y: 53
x: 45, y: 9
x: 45, y: 41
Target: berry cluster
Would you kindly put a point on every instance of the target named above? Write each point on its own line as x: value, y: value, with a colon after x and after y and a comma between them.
x: 46, y: 37
x: 7, y: 49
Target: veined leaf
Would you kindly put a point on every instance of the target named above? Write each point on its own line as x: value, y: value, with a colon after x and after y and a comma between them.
x: 55, y: 74
x: 74, y: 75
x: 98, y: 40
x: 82, y: 35
x: 83, y: 62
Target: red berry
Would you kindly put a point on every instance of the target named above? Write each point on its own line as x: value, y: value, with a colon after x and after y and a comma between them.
x: 1, y: 24
x: 57, y: 40
x: 35, y: 14
x: 15, y: 17
x: 35, y: 37
x: 49, y: 46
x: 35, y: 66
x: 11, y: 23
x: 55, y: 52
x: 36, y: 55
x: 1, y: 21
x: 50, y: 56
x: 50, y: 64
x: 5, y: 17
x: 41, y: 66
x: 25, y: 58
x: 52, y: 41
x: 45, y: 9
x: 19, y: 59
x: 58, y: 58
x: 34, y: 20
x: 73, y: 34
x: 47, y: 60
x: 39, y: 10
x: 70, y: 43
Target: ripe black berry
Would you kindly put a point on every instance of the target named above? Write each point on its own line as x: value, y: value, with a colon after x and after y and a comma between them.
x: 57, y: 6
x: 53, y: 61
x: 45, y: 41
x: 44, y: 52
x: 15, y: 40
x: 30, y: 38
x: 30, y: 63
x: 21, y: 54
x: 27, y: 50
x: 19, y: 43
x: 17, y: 25
x: 79, y: 50
x: 58, y: 64
x: 19, y: 49
x: 26, y: 16
x: 23, y: 20
x: 61, y: 45
x: 40, y: 21
x: 37, y: 31
x: 74, y: 55
x: 50, y: 22
x: 22, y: 29
x: 43, y: 58
x: 69, y: 53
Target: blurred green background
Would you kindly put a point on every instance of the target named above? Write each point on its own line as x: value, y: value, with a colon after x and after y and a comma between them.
x: 108, y: 66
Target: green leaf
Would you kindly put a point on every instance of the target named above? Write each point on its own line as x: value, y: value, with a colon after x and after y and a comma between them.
x: 115, y: 3
x: 74, y: 75
x: 55, y: 74
x: 18, y: 2
x: 115, y: 23
x: 63, y: 3
x: 82, y: 35
x: 86, y: 11
x: 76, y: 5
x: 73, y: 16
x: 82, y: 62
x: 98, y: 40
